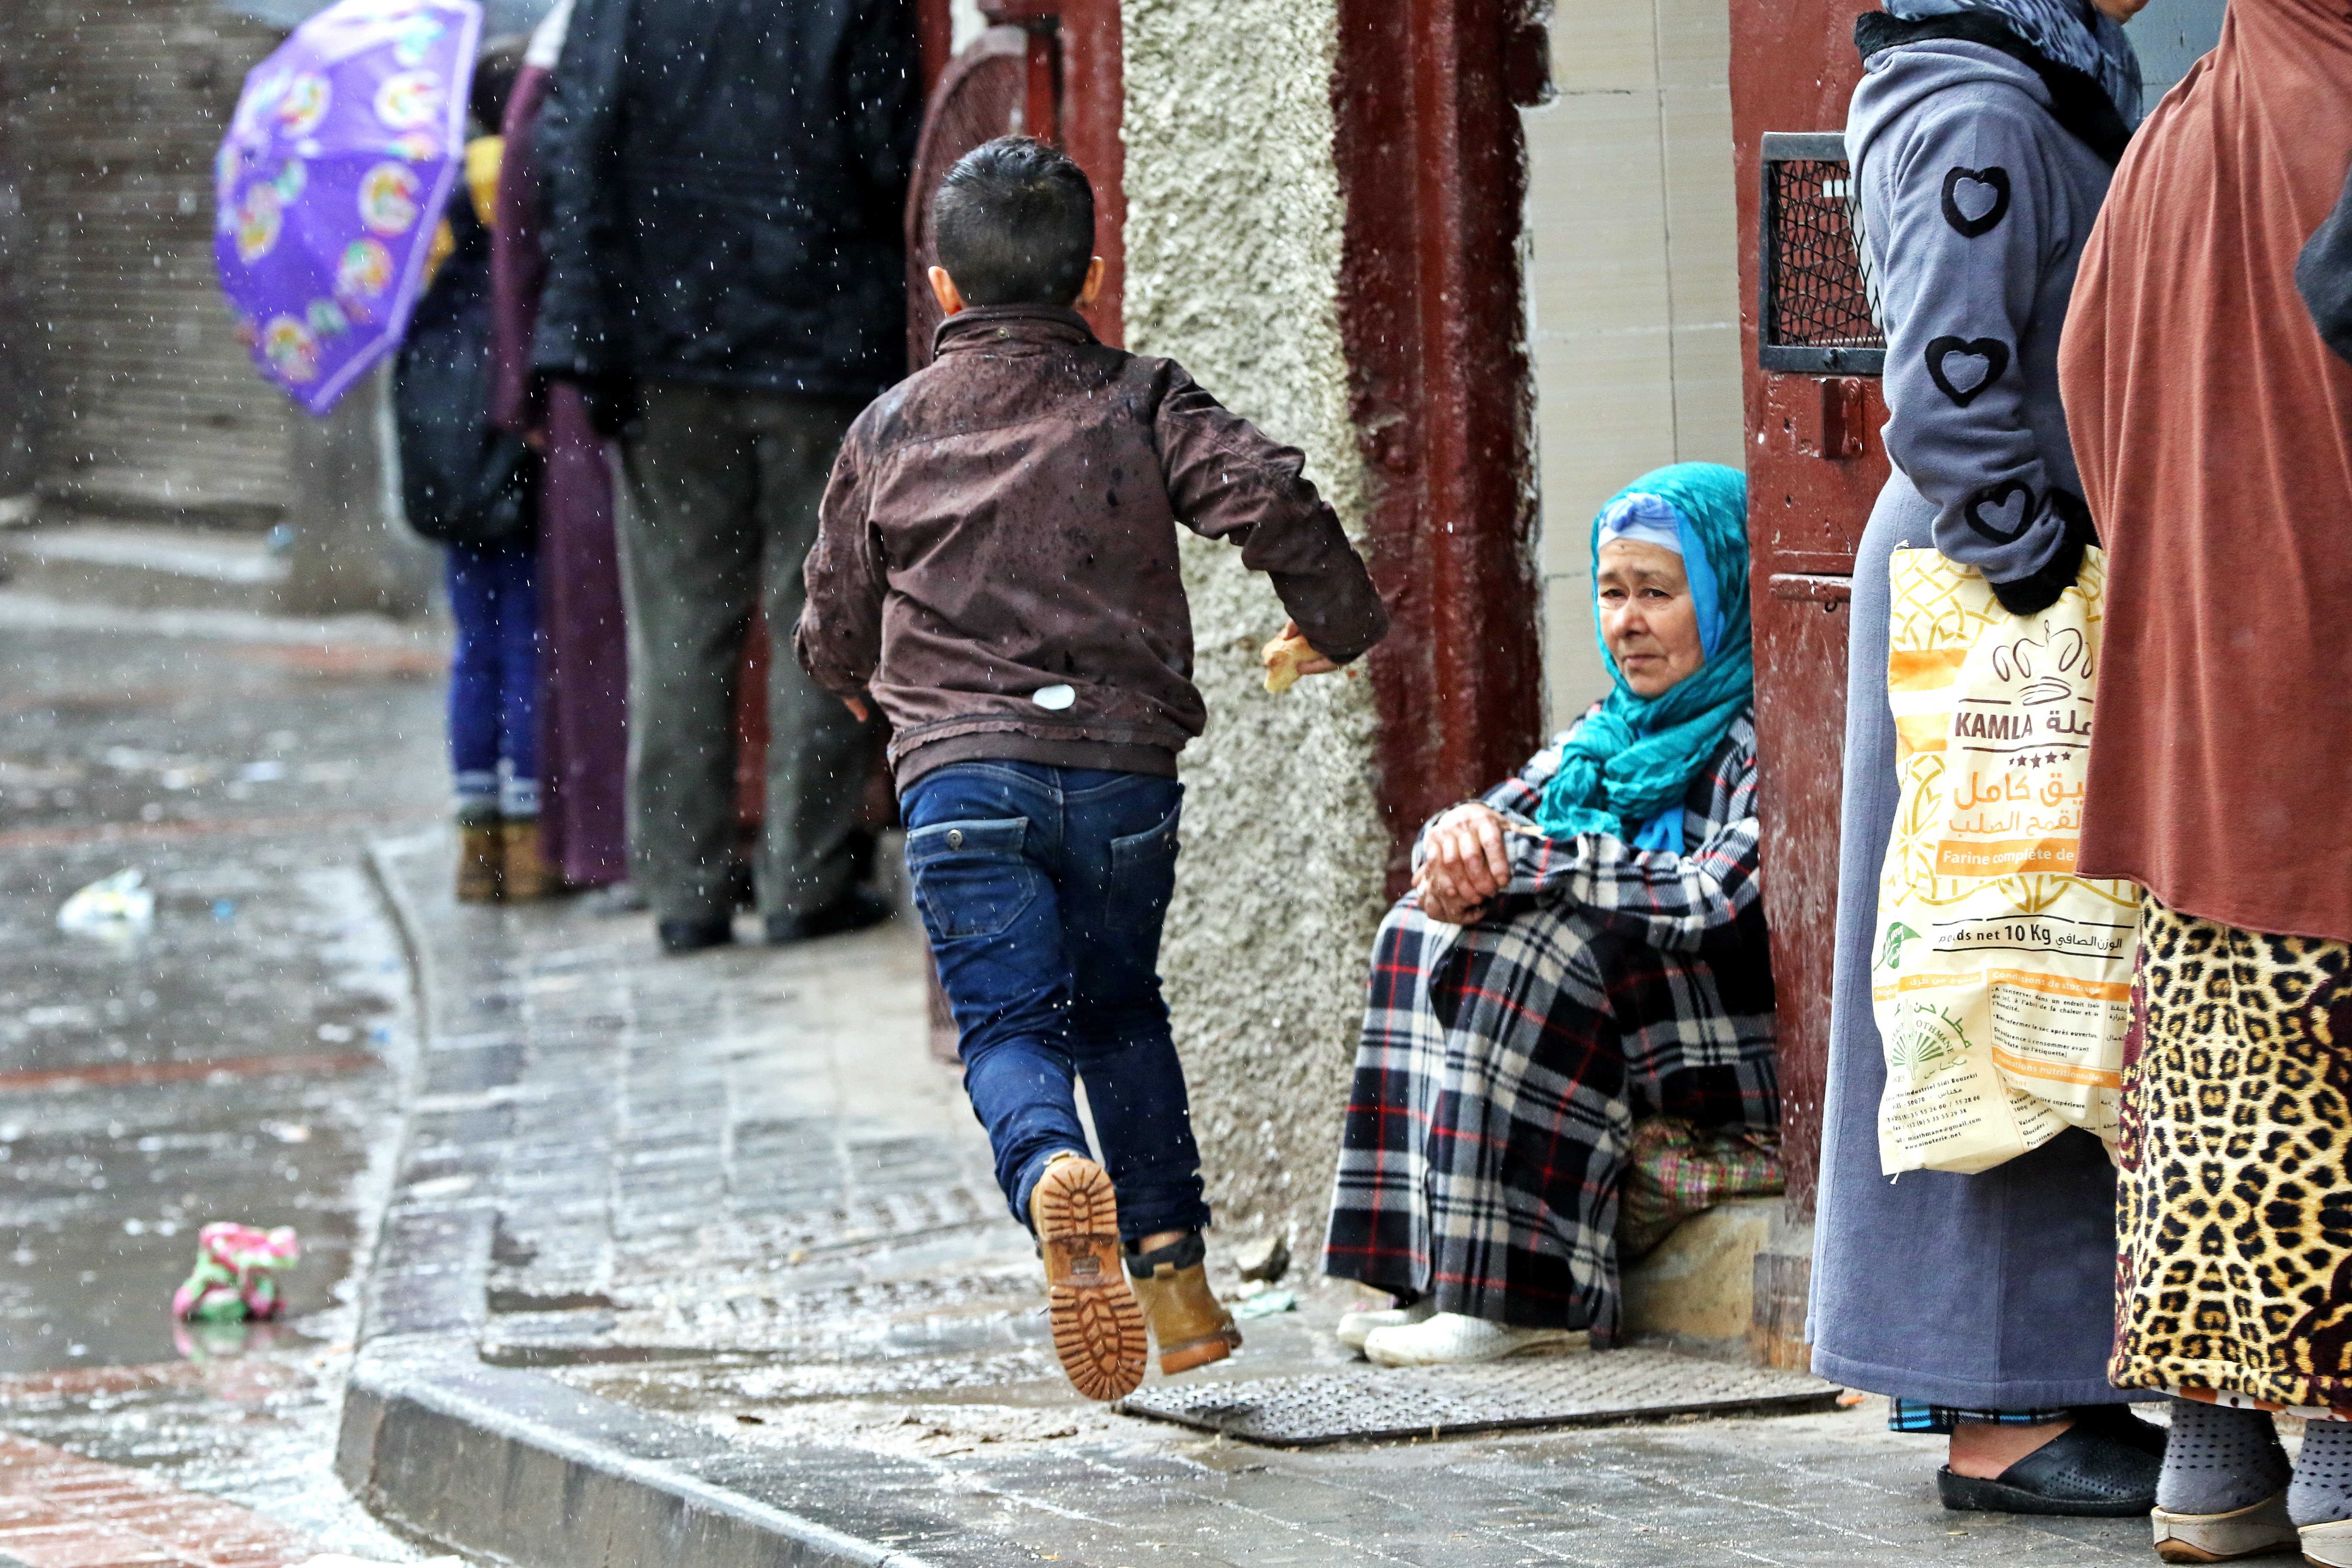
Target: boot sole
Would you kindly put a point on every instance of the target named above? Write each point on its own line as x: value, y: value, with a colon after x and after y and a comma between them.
x: 1099, y: 1332
x: 2257, y: 1530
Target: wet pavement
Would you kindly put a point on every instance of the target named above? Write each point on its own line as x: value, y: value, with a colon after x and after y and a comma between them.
x: 236, y: 1060
x: 730, y: 1198
x: 733, y: 1194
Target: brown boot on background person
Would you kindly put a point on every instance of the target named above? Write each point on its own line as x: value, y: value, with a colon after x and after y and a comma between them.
x: 1098, y: 1328
x: 527, y: 874
x: 480, y: 861
x: 1189, y: 1325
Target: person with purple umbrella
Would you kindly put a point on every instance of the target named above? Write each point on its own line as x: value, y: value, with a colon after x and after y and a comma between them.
x: 474, y: 488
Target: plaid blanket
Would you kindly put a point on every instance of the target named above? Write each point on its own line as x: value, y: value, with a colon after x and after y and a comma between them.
x: 1503, y: 1065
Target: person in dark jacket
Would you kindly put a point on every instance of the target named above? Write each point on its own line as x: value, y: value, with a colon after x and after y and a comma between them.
x: 997, y: 566
x: 475, y: 490
x: 725, y: 185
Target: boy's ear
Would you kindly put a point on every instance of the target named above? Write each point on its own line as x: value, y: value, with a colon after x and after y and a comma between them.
x: 951, y: 298
x: 1091, y: 288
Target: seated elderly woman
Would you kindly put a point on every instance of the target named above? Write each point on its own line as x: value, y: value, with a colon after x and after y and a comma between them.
x: 1582, y: 947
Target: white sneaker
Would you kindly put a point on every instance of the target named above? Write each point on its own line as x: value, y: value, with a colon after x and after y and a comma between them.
x: 2328, y: 1545
x: 1449, y: 1339
x: 1354, y: 1326
x: 2220, y: 1537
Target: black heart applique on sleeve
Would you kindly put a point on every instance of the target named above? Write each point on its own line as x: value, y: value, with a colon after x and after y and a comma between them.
x: 1981, y: 362
x: 1976, y: 200
x: 2006, y: 499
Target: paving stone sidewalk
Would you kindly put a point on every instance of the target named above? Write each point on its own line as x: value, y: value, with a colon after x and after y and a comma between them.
x: 733, y: 1192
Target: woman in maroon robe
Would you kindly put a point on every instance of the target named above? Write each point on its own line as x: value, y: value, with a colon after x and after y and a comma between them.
x: 584, y: 673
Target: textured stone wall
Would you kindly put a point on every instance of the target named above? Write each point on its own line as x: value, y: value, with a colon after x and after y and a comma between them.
x: 1232, y: 253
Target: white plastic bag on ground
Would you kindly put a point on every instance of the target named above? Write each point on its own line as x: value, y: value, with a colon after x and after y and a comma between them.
x: 111, y: 906
x: 2001, y: 981
x: 336, y: 1560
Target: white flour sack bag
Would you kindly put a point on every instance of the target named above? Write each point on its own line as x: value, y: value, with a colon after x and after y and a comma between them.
x: 2001, y: 981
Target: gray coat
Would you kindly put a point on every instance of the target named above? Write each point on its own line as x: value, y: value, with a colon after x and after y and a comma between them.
x: 1993, y: 1291
x: 1976, y: 207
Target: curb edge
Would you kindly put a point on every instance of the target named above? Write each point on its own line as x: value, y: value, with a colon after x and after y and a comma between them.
x: 513, y: 1466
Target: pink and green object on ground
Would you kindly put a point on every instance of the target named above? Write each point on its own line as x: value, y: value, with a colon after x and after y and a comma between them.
x: 237, y: 1273
x: 343, y: 150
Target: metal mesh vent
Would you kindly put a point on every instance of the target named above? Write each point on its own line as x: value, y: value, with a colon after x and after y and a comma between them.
x: 1817, y: 313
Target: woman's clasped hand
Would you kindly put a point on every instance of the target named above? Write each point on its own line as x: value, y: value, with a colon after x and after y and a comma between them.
x: 1466, y: 863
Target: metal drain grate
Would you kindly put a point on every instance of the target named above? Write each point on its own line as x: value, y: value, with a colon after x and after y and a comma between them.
x: 1373, y: 1403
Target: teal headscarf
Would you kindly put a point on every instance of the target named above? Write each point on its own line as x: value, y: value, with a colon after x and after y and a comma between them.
x: 1627, y: 767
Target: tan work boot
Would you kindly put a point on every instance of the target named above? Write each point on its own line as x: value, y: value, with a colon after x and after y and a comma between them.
x: 480, y: 858
x: 1190, y: 1324
x: 527, y: 874
x: 1098, y: 1328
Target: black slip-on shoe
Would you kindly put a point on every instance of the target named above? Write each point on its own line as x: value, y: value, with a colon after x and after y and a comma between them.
x: 853, y: 910
x: 2078, y: 1474
x: 692, y: 936
x: 2117, y: 1424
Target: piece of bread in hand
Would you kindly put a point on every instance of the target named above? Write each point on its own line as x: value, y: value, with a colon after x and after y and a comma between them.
x: 1282, y: 658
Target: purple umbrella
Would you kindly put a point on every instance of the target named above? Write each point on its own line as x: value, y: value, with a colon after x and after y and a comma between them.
x: 331, y: 182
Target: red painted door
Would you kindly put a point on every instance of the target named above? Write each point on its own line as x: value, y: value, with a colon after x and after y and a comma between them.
x: 1814, y: 466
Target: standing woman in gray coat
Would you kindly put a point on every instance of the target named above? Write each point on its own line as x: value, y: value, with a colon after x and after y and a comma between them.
x: 1982, y: 137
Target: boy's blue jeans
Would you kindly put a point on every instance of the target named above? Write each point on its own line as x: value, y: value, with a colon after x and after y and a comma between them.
x: 1043, y: 890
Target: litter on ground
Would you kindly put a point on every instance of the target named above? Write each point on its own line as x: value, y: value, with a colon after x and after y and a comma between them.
x: 236, y: 1272
x: 112, y: 906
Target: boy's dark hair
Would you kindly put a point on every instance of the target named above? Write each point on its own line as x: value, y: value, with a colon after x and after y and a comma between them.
x: 1014, y: 224
x: 495, y: 70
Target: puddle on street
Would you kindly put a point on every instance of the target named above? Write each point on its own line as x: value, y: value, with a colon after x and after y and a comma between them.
x: 181, y: 1118
x: 223, y: 1063
x: 227, y: 1063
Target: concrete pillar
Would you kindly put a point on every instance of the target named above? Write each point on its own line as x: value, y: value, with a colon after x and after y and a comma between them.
x: 1233, y: 248
x: 352, y: 550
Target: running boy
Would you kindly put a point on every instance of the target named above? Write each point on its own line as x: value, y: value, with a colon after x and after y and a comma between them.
x: 997, y: 565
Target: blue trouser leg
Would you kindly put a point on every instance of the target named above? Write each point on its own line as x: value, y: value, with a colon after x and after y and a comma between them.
x: 474, y: 681
x: 1123, y: 873
x: 1042, y: 889
x: 494, y: 680
x: 518, y: 635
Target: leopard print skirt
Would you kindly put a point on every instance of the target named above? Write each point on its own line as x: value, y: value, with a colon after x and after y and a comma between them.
x: 2234, y: 1204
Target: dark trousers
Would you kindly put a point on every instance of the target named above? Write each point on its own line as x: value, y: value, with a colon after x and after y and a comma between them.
x: 1042, y: 889
x: 494, y: 682
x: 721, y: 512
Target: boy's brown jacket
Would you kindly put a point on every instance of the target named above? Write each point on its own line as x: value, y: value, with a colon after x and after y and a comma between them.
x: 996, y: 562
